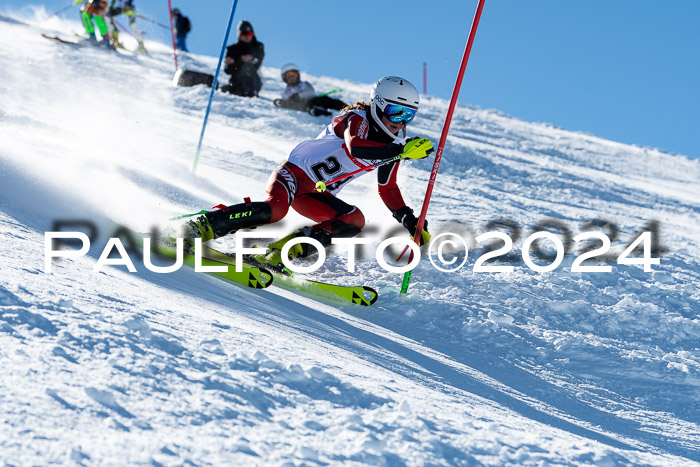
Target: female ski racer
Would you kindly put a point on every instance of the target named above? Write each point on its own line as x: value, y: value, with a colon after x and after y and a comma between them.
x: 361, y: 136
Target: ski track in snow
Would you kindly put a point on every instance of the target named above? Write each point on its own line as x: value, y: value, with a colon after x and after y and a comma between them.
x: 496, y: 368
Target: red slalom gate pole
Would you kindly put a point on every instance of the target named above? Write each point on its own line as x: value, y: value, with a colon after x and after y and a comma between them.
x: 172, y: 32
x: 443, y: 137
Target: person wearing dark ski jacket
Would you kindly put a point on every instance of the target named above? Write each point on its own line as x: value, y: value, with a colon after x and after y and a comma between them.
x: 308, y: 181
x: 300, y: 95
x: 243, y: 61
x: 182, y: 28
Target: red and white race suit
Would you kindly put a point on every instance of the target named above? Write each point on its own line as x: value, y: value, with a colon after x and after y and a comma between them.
x: 328, y: 157
x: 341, y: 148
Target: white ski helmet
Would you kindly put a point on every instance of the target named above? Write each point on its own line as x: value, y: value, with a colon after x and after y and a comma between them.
x: 289, y: 67
x: 392, y: 90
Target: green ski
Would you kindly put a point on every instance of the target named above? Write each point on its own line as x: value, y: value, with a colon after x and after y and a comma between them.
x: 250, y: 276
x: 358, y: 294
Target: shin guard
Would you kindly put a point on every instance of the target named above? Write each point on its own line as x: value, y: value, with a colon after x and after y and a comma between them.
x: 239, y: 216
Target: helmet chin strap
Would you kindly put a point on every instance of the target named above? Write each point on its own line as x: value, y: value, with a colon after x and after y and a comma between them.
x: 378, y: 121
x: 404, y: 138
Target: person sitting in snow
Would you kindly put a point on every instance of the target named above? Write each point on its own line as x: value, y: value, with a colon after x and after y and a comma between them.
x: 243, y: 61
x: 300, y: 95
x: 361, y: 136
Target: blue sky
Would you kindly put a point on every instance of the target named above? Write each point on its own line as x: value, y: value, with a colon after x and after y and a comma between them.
x: 625, y: 70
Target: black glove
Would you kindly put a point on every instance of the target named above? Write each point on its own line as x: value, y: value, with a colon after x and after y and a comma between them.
x: 114, y: 12
x: 406, y: 218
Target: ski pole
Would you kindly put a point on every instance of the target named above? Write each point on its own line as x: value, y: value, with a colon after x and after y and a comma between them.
x: 321, y: 186
x: 62, y: 10
x: 151, y: 21
x: 172, y: 33
x: 329, y: 93
x: 443, y: 137
x: 213, y: 84
x: 124, y: 28
x: 203, y: 211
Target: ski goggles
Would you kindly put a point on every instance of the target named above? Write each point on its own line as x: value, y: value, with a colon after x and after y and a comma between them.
x: 398, y: 113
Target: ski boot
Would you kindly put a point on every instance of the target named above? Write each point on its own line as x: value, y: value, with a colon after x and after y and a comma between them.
x: 318, y: 111
x: 273, y: 257
x: 105, y: 42
x: 197, y: 228
x: 215, y: 224
x: 115, y: 38
x: 90, y: 38
x: 141, y: 48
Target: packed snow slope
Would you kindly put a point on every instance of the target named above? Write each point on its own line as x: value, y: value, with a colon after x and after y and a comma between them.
x: 472, y: 367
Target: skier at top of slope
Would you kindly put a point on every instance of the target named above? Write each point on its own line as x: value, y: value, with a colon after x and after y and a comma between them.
x: 126, y: 8
x: 95, y: 9
x: 363, y: 134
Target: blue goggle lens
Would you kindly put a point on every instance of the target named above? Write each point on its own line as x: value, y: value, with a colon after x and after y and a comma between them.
x: 399, y: 113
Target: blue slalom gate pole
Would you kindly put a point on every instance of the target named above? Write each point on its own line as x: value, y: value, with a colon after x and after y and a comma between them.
x: 213, y: 85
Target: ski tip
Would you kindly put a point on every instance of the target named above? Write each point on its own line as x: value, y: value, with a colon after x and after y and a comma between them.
x: 264, y: 279
x: 369, y: 296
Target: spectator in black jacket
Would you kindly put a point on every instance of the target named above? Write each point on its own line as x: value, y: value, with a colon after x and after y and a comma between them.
x: 243, y: 61
x: 182, y: 28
